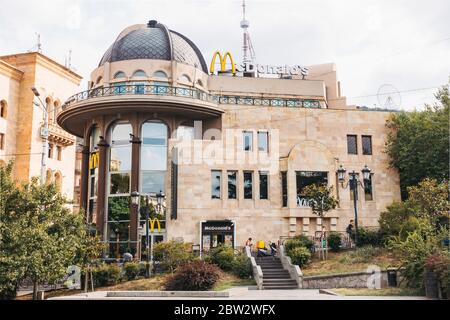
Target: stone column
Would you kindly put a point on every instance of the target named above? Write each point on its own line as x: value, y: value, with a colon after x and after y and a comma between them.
x: 102, y: 216
x: 135, y: 170
x: 84, y: 179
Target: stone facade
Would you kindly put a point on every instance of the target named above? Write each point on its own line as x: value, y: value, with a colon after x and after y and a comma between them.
x: 22, y: 124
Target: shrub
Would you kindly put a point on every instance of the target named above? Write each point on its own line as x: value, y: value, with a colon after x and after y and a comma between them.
x: 369, y: 237
x: 194, y: 276
x: 398, y: 219
x: 171, y: 254
x: 242, y: 267
x: 298, y: 241
x: 107, y: 275
x: 132, y: 270
x: 334, y: 241
x: 223, y: 257
x: 360, y: 255
x: 300, y: 256
x: 439, y: 263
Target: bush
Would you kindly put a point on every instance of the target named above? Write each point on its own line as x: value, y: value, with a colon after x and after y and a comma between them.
x: 439, y: 263
x: 369, y: 237
x: 300, y: 256
x: 107, y: 275
x: 398, y: 219
x: 171, y: 254
x: 132, y: 270
x: 194, y: 276
x: 334, y: 241
x: 298, y: 241
x: 360, y: 255
x: 223, y: 257
x: 242, y: 267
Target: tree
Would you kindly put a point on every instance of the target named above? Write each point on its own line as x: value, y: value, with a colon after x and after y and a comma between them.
x: 40, y: 237
x: 418, y: 143
x: 172, y: 254
x: 321, y: 199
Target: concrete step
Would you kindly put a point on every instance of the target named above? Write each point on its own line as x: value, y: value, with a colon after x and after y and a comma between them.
x: 280, y: 287
x: 279, y: 281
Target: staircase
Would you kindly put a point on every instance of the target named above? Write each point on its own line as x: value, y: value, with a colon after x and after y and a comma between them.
x: 274, y: 275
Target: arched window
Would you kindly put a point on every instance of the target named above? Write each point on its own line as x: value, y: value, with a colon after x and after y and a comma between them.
x: 185, y: 131
x: 153, y: 157
x: 199, y: 83
x: 160, y: 74
x: 119, y: 188
x: 139, y: 73
x: 58, y: 180
x: 3, y: 109
x: 185, y: 78
x: 49, y: 176
x: 120, y: 75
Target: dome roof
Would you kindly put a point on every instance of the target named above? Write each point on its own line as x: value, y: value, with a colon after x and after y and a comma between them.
x: 154, y: 41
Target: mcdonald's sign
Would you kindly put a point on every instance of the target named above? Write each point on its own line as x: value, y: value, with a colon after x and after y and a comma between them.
x: 93, y: 160
x: 223, y: 61
x: 152, y: 224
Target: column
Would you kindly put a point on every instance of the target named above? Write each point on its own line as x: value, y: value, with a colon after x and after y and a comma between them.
x: 102, y: 216
x: 135, y: 173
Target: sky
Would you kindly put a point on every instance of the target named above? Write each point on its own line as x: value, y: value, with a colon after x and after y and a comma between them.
x: 379, y: 46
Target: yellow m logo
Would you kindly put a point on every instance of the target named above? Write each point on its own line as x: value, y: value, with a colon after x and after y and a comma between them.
x: 223, y: 61
x: 93, y: 161
x: 152, y: 224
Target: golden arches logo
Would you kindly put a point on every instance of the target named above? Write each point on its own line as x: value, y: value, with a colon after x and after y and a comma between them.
x: 93, y: 160
x: 152, y: 224
x: 223, y: 61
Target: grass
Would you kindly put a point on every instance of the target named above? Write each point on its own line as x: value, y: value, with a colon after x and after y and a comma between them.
x: 378, y: 292
x: 228, y: 281
x: 350, y: 261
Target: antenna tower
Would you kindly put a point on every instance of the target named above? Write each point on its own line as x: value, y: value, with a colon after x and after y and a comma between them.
x: 249, y: 52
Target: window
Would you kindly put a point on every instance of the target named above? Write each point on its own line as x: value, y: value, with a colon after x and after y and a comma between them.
x: 153, y: 157
x: 2, y: 141
x: 263, y: 185
x: 232, y: 179
x: 139, y: 87
x: 352, y: 144
x: 119, y: 75
x: 50, y: 150
x: 263, y: 141
x: 368, y: 191
x: 351, y: 191
x: 184, y: 78
x: 3, y: 109
x: 248, y: 140
x: 284, y: 189
x: 306, y: 178
x: 160, y: 74
x: 139, y: 73
x: 216, y: 177
x: 58, y: 152
x: 367, y: 145
x: 248, y: 185
x: 120, y: 159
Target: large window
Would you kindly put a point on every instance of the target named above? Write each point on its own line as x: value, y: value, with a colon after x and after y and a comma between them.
x: 232, y: 179
x: 153, y: 157
x: 367, y: 145
x: 248, y: 185
x: 357, y: 186
x: 352, y: 144
x: 248, y: 140
x: 263, y: 141
x: 306, y: 178
x: 263, y: 185
x: 216, y: 180
x: 368, y: 189
x: 284, y: 188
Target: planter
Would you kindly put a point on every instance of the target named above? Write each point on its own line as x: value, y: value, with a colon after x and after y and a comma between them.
x: 431, y: 285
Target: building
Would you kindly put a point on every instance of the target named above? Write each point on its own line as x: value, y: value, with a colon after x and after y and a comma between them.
x: 231, y: 153
x: 21, y: 120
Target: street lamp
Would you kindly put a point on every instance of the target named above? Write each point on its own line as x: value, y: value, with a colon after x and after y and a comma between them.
x: 353, y: 183
x: 135, y: 198
x: 44, y: 134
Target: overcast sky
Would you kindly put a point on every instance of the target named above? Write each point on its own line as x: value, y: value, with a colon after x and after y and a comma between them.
x: 401, y: 43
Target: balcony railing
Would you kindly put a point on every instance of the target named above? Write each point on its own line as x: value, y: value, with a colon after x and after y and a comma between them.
x: 60, y: 136
x: 166, y: 90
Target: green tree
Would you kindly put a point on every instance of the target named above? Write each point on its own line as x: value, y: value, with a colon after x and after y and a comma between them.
x: 321, y: 199
x: 172, y: 254
x: 418, y: 143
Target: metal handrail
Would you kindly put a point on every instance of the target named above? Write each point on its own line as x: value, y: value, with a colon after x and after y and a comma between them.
x: 119, y: 89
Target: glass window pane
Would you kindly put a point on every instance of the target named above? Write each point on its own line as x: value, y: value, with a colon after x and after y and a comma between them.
x: 306, y: 178
x: 367, y: 145
x: 121, y: 134
x: 120, y: 158
x: 284, y: 188
x: 154, y: 133
x: 139, y: 73
x: 352, y: 144
x: 94, y: 139
x: 120, y: 183
x: 263, y: 185
x: 232, y: 175
x: 153, y: 181
x: 118, y: 209
x: 263, y: 141
x: 368, y: 191
x: 153, y: 158
x: 248, y: 141
x: 216, y: 177
x: 248, y: 185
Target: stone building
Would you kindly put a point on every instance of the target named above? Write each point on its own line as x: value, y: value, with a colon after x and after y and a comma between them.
x: 231, y: 152
x: 21, y: 120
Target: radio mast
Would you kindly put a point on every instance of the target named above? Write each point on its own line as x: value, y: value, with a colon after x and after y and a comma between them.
x: 249, y: 53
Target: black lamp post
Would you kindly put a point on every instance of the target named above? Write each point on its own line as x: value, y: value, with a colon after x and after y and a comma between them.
x: 353, y: 183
